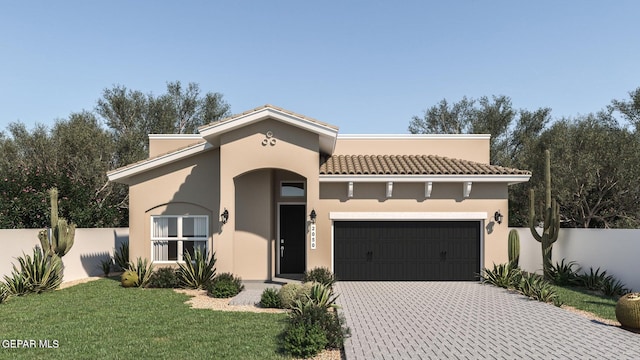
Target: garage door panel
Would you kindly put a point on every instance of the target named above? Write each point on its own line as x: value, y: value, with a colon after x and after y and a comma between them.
x: 407, y: 250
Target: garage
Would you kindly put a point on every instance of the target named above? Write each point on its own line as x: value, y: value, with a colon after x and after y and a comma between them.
x: 407, y: 250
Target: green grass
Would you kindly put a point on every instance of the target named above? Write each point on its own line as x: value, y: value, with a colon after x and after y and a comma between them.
x: 600, y: 305
x: 100, y: 319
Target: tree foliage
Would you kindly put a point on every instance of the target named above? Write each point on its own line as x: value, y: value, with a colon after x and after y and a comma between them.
x: 594, y: 159
x: 76, y: 153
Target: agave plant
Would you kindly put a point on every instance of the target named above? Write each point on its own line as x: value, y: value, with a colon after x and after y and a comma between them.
x: 41, y: 272
x: 502, y: 275
x: 143, y: 270
x: 563, y: 274
x: 197, y: 272
x: 121, y: 256
x: 16, y: 284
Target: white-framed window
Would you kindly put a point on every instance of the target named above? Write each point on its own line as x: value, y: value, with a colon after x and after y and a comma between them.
x: 292, y: 189
x: 172, y: 235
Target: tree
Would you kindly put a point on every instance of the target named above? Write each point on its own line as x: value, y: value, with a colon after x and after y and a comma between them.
x: 132, y: 116
x: 630, y: 110
x: 511, y: 130
x: 596, y: 164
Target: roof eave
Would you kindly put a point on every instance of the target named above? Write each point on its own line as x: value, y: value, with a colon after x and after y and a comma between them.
x: 508, y: 178
x: 123, y: 175
x: 327, y: 133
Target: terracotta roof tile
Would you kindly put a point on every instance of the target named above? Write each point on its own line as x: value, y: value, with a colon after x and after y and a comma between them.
x: 408, y: 165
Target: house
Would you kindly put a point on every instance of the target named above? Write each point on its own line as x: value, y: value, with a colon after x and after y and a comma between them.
x: 274, y: 193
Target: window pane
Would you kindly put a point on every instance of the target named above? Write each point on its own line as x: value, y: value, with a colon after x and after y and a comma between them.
x: 173, y: 227
x: 160, y: 227
x: 194, y: 227
x: 172, y: 251
x: 160, y: 250
x: 292, y: 189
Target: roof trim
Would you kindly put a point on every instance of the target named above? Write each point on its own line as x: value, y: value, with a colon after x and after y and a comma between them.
x: 511, y: 179
x: 414, y: 136
x: 404, y: 216
x: 175, y: 136
x: 122, y: 175
x: 328, y: 133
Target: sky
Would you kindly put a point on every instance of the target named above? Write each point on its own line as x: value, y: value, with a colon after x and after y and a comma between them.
x: 367, y: 67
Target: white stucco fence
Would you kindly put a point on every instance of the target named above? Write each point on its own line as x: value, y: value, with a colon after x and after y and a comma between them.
x: 615, y: 250
x: 83, y: 260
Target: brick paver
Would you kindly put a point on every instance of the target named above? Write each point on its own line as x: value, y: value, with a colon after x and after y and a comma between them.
x: 467, y: 320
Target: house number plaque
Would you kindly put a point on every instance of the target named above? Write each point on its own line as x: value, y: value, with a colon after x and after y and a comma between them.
x: 313, y: 236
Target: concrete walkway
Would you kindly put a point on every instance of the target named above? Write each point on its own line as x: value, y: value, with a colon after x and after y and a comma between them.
x: 467, y: 320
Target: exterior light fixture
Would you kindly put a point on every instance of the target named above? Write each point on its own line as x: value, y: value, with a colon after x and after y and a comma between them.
x: 224, y: 217
x: 313, y: 216
x: 498, y: 217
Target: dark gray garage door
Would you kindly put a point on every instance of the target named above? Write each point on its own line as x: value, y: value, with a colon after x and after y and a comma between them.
x: 407, y: 250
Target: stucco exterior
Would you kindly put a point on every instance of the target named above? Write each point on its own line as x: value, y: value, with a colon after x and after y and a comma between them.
x: 240, y: 164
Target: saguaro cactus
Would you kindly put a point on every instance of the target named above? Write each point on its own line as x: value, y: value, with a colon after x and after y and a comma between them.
x: 514, y: 248
x: 551, y: 225
x: 59, y: 239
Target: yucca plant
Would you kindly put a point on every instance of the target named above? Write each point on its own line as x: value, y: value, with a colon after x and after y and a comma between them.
x: 593, y: 280
x: 4, y: 294
x: 613, y: 287
x: 16, y: 284
x: 197, y: 272
x: 143, y: 270
x: 121, y: 256
x: 105, y: 265
x: 41, y: 272
x: 563, y: 274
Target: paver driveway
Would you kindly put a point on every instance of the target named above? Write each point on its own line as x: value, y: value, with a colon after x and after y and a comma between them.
x: 467, y: 320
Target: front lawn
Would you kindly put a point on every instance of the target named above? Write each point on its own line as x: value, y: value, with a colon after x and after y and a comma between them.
x: 100, y: 319
x: 579, y: 298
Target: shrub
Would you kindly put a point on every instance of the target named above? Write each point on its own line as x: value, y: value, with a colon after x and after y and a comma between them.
x: 129, y: 278
x: 121, y: 256
x: 105, y: 266
x: 225, y: 285
x: 562, y: 273
x: 163, y: 278
x: 270, y: 298
x: 143, y: 270
x: 328, y: 320
x: 502, y: 275
x: 289, y: 293
x: 303, y: 340
x: 197, y: 272
x: 320, y: 275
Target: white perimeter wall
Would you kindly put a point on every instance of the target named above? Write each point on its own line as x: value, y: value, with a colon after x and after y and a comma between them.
x: 83, y: 260
x: 615, y: 250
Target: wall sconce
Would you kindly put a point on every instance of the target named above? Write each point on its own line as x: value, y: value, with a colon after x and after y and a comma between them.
x: 313, y: 216
x: 224, y: 217
x: 498, y: 217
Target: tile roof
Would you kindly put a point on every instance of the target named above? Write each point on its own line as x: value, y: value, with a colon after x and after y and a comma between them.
x: 408, y: 165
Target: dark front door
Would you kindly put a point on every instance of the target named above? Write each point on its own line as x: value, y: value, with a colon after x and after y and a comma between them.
x: 407, y: 250
x: 292, y: 239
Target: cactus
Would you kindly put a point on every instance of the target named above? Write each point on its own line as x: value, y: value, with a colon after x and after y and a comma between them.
x: 551, y: 225
x: 129, y: 279
x: 514, y: 248
x: 58, y: 240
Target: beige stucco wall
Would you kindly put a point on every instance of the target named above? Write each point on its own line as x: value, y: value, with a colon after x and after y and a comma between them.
x: 187, y: 187
x: 163, y: 144
x: 242, y: 152
x: 466, y: 147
